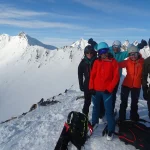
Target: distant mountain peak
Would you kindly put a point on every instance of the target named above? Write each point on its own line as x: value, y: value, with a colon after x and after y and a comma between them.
x: 22, y: 34
x: 33, y: 42
x: 80, y: 44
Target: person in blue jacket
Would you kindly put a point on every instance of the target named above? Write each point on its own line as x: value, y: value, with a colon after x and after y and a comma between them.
x: 119, y: 55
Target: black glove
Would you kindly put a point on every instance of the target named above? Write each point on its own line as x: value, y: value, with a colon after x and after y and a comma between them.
x: 143, y: 42
x: 82, y: 89
x: 93, y: 92
x: 107, y: 92
x: 145, y: 95
x: 92, y: 43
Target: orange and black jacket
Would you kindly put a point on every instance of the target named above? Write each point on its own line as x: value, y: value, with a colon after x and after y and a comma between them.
x: 134, y: 72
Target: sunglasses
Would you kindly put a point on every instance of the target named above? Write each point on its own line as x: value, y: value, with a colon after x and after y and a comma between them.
x: 116, y: 46
x: 133, y: 54
x: 89, y: 53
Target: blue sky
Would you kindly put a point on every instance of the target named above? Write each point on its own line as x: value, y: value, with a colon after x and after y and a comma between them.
x: 61, y: 22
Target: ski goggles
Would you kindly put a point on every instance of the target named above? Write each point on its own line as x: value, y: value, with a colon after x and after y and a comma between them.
x: 133, y: 54
x: 89, y: 52
x: 103, y: 51
x: 116, y: 46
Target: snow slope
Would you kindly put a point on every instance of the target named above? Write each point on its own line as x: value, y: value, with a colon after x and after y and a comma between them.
x: 28, y: 73
x: 40, y: 129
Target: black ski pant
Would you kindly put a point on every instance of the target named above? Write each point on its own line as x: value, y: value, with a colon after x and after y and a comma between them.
x: 148, y: 103
x: 87, y: 103
x: 135, y: 92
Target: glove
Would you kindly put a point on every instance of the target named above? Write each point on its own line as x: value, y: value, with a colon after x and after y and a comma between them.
x: 107, y: 92
x: 82, y: 89
x: 90, y: 41
x: 145, y: 95
x: 92, y: 91
x: 143, y: 42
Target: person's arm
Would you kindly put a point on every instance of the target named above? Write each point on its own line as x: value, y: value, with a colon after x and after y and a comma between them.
x: 144, y: 76
x: 80, y: 75
x: 124, y: 55
x: 92, y: 75
x: 123, y: 64
x: 115, y: 77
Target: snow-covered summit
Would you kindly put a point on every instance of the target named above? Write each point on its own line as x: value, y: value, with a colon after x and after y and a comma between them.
x: 23, y: 40
x: 80, y: 44
x: 32, y: 41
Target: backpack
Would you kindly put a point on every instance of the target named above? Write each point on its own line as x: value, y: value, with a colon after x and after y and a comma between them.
x: 75, y: 131
x: 78, y: 128
x: 134, y: 133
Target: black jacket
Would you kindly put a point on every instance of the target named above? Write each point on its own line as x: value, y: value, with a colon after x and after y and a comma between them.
x: 146, y: 73
x: 84, y: 69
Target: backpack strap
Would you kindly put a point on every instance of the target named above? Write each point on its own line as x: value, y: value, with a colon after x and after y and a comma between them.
x: 70, y: 117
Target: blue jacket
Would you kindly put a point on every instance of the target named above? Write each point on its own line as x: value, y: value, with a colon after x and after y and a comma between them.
x: 120, y: 56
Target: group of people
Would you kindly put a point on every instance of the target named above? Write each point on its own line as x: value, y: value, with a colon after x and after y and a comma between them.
x: 99, y: 75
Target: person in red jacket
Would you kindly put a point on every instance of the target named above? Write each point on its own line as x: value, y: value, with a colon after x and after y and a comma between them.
x: 131, y: 83
x: 103, y: 79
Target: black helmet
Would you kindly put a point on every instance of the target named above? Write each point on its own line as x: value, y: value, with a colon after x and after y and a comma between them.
x: 89, y: 49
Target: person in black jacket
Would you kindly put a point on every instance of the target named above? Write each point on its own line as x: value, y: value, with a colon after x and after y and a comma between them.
x: 146, y: 83
x: 84, y: 69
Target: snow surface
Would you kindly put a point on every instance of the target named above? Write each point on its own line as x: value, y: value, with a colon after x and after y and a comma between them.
x: 30, y: 72
x: 40, y: 129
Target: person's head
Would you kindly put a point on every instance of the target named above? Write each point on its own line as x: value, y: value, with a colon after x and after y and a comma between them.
x: 103, y: 50
x: 116, y: 46
x: 89, y: 51
x: 133, y: 52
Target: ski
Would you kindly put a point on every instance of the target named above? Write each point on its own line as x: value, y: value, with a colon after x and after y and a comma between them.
x: 62, y: 143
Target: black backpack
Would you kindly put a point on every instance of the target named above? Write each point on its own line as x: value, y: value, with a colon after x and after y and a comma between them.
x: 78, y: 128
x: 74, y: 131
x: 134, y: 133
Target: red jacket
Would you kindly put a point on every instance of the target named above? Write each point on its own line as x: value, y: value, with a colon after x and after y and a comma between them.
x: 104, y: 75
x: 134, y: 72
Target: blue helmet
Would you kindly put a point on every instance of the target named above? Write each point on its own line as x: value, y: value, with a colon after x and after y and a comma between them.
x: 102, y: 45
x: 102, y: 48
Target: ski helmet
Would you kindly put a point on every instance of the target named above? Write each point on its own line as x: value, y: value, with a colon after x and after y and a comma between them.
x: 133, y: 49
x: 116, y: 44
x: 88, y: 49
x: 102, y: 48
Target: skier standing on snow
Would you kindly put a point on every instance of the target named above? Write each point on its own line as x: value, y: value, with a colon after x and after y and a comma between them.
x: 84, y: 69
x: 145, y: 82
x: 131, y: 83
x: 119, y: 55
x: 103, y: 79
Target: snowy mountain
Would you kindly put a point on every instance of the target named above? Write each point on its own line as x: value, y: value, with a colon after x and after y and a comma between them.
x: 80, y: 44
x: 29, y: 72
